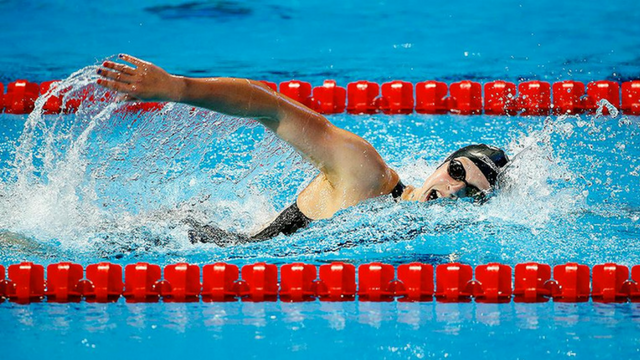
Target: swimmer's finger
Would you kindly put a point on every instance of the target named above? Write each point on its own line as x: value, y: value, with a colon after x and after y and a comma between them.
x: 116, y: 85
x: 126, y: 98
x: 116, y: 75
x: 134, y: 60
x: 125, y: 69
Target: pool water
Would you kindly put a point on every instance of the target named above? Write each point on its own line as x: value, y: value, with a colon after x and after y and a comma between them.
x: 107, y: 185
x: 319, y: 330
x: 312, y: 40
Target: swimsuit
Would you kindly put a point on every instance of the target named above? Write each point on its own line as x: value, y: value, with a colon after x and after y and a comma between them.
x: 288, y: 222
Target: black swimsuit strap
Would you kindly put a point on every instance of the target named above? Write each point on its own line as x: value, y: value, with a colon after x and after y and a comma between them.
x: 398, y: 190
x: 288, y: 222
x: 292, y: 219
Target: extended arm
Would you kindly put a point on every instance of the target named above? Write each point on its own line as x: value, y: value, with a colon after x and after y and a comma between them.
x: 307, y: 131
x: 334, y: 151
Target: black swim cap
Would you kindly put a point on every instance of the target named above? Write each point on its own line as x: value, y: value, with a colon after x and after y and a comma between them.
x: 489, y: 159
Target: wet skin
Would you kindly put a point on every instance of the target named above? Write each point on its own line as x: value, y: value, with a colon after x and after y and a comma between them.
x: 351, y: 170
x: 441, y: 185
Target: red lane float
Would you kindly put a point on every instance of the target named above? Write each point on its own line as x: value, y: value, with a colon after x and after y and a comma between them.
x: 397, y: 97
x: 416, y: 282
x: 598, y: 90
x: 26, y: 283
x: 53, y: 105
x: 493, y: 283
x: 361, y: 97
x: 181, y: 283
x: 220, y: 282
x: 141, y: 282
x: 62, y: 282
x: 297, y: 282
x: 610, y: 283
x: 21, y: 97
x: 531, y: 283
x: 337, y: 282
x: 72, y: 100
x: 103, y: 284
x: 77, y: 98
x: 534, y: 98
x: 260, y: 282
x: 329, y: 98
x: 453, y: 282
x: 500, y: 98
x: 571, y: 283
x: 431, y: 97
x: 299, y: 91
x: 630, y: 98
x: 374, y: 282
x: 568, y: 97
x: 465, y: 98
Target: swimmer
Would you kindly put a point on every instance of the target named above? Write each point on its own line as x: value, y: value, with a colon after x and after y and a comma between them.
x: 350, y: 169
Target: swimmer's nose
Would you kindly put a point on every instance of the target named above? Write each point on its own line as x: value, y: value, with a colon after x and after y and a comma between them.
x: 454, y: 188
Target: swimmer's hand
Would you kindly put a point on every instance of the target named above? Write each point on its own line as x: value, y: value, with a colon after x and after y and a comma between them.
x: 142, y: 81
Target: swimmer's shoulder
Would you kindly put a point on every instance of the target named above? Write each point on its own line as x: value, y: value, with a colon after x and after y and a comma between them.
x: 359, y: 163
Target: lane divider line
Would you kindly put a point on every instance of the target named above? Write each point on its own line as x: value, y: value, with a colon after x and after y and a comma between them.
x: 25, y: 283
x: 530, y: 98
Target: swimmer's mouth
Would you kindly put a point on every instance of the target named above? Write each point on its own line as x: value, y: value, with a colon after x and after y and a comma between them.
x: 433, y: 195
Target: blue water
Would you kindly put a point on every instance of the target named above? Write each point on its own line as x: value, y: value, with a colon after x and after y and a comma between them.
x: 320, y: 330
x: 100, y: 185
x: 346, y: 40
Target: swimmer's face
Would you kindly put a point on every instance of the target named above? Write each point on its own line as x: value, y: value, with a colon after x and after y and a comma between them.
x: 441, y: 184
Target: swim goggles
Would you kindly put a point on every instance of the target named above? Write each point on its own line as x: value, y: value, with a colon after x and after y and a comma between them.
x: 457, y: 172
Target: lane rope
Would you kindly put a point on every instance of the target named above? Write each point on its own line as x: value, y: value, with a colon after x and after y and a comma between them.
x: 25, y: 283
x: 530, y: 98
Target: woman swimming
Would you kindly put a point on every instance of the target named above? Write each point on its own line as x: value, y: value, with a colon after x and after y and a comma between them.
x: 351, y: 170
